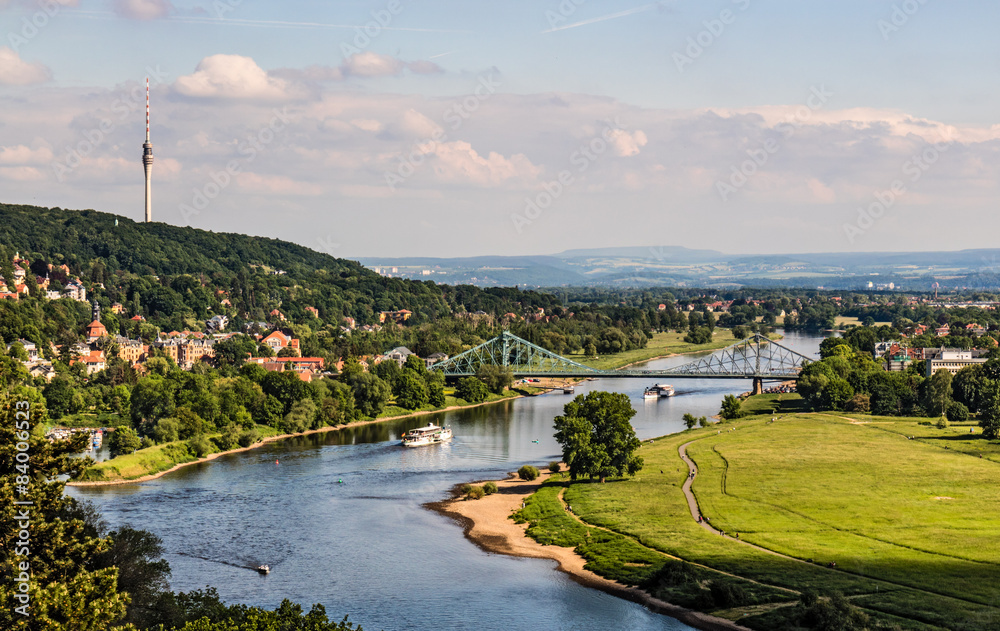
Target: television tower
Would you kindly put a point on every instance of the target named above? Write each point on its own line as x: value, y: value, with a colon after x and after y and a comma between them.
x: 147, y: 161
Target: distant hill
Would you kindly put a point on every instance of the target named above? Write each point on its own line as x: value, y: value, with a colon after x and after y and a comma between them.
x: 79, y: 237
x: 178, y: 276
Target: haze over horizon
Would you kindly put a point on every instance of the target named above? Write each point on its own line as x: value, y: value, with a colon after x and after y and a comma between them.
x: 426, y: 136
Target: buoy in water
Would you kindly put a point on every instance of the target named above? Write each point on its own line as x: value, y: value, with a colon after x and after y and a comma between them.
x: 275, y: 462
x: 340, y: 481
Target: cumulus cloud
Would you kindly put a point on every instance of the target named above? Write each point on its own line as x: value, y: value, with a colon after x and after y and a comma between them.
x: 365, y: 65
x: 143, y: 9
x: 231, y: 77
x: 459, y: 162
x: 16, y: 71
x: 24, y: 155
x: 626, y: 144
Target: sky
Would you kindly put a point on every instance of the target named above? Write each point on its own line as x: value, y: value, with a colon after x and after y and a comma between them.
x: 463, y: 127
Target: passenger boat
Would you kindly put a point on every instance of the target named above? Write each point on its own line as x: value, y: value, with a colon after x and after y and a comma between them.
x: 650, y: 393
x: 569, y: 389
x: 428, y: 435
x: 264, y: 569
x: 666, y: 390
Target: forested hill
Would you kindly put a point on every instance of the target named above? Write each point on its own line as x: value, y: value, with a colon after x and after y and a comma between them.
x: 177, y: 277
x: 83, y: 236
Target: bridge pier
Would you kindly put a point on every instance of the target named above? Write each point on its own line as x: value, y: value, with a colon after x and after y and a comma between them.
x: 758, y: 385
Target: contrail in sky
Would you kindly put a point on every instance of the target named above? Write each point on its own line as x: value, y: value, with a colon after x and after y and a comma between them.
x: 620, y: 14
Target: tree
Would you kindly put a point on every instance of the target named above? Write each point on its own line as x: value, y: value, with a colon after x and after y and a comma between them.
x: 123, y: 440
x: 142, y: 573
x: 412, y: 390
x: 370, y: 394
x: 596, y: 437
x: 472, y: 390
x: 496, y: 378
x: 690, y: 420
x: 939, y: 391
x: 436, y: 395
x: 234, y: 351
x: 837, y: 393
x: 740, y: 332
x: 732, y: 408
x: 957, y: 412
x: 64, y: 592
x: 989, y: 412
x: 285, y: 386
x: 59, y: 397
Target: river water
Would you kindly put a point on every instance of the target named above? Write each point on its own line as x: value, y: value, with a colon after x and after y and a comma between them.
x: 339, y: 518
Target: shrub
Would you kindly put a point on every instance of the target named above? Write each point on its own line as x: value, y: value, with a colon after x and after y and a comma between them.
x: 690, y: 420
x: 732, y: 408
x: 943, y: 423
x: 859, y: 403
x: 199, y: 445
x: 490, y: 488
x: 248, y: 437
x: 555, y: 466
x: 957, y: 412
x: 527, y: 472
x: 476, y: 493
x: 703, y: 421
x: 728, y: 595
x: 466, y: 489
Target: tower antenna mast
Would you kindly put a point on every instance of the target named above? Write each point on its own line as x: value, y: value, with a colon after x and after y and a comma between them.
x: 147, y: 161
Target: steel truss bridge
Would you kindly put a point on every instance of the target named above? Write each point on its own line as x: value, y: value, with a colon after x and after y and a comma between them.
x: 756, y: 358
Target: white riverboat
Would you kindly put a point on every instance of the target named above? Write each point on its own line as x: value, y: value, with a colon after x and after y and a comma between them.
x: 650, y: 393
x: 666, y: 390
x: 429, y: 435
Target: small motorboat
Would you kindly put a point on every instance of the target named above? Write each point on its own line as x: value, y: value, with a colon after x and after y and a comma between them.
x: 568, y: 389
x: 650, y: 393
x: 263, y: 569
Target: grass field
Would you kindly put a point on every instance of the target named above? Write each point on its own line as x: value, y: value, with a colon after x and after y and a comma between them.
x: 151, y: 460
x: 910, y: 523
x: 669, y: 343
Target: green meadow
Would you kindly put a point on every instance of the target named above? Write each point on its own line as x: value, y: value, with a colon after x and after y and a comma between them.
x: 907, y: 512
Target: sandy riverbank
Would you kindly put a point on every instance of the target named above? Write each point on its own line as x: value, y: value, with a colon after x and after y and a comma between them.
x: 487, y: 523
x: 271, y: 439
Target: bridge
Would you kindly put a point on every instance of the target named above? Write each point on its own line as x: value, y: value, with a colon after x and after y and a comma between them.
x: 756, y: 358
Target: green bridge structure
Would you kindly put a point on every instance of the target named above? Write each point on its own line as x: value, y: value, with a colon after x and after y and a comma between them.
x: 756, y: 358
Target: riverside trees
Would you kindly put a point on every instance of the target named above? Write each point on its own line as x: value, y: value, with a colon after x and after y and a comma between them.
x: 596, y: 437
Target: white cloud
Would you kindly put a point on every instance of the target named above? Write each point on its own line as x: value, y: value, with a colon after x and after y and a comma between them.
x: 626, y: 144
x: 370, y: 64
x: 16, y: 71
x: 24, y: 155
x: 143, y: 9
x: 231, y: 77
x: 459, y: 162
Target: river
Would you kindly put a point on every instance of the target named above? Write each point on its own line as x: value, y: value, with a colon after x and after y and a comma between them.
x: 339, y: 518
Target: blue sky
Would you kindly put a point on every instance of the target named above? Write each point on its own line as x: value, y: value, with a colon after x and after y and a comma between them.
x: 462, y: 127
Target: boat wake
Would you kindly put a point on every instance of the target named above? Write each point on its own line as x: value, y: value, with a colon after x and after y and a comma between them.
x: 251, y: 566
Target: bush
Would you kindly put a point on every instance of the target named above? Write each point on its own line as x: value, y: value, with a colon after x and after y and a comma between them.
x: 466, y: 489
x: 476, y: 493
x: 957, y: 412
x: 732, y: 408
x: 472, y: 390
x: 943, y: 423
x: 248, y: 437
x: 490, y: 488
x: 728, y: 595
x: 527, y: 472
x: 199, y: 445
x: 703, y: 421
x: 859, y: 403
x: 690, y: 420
x: 555, y: 466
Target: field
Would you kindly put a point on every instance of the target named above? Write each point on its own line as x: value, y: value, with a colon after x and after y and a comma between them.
x: 152, y: 460
x: 906, y: 511
x: 669, y: 343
